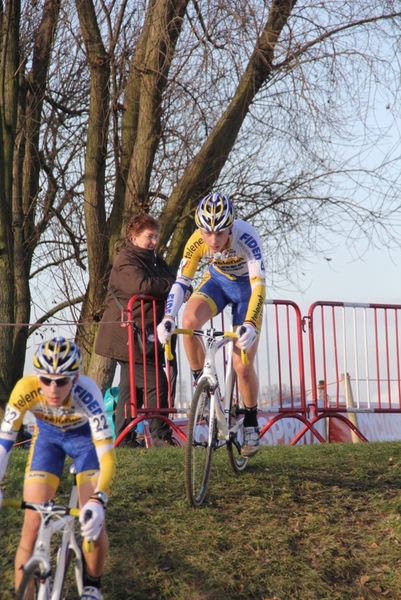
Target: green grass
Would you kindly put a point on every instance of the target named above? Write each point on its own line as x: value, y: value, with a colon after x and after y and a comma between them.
x: 306, y: 523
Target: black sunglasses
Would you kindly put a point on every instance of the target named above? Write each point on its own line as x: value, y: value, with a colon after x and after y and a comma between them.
x: 61, y: 382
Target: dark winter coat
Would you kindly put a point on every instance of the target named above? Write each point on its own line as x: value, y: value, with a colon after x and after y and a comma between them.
x: 135, y: 271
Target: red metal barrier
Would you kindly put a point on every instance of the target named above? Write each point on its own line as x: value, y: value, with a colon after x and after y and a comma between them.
x: 354, y: 351
x: 140, y: 413
x: 354, y: 363
x: 281, y: 371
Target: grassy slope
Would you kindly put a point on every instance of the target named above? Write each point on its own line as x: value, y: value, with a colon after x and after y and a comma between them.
x: 307, y: 523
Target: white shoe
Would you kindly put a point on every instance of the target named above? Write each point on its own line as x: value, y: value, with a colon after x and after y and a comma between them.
x: 91, y: 593
x: 251, y: 442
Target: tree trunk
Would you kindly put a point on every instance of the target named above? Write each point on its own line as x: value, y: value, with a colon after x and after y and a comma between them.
x: 26, y: 177
x: 8, y: 112
x: 21, y: 107
x: 95, y: 165
x: 140, y: 138
x: 102, y: 371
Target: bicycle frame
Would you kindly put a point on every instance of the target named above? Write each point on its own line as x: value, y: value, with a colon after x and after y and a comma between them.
x: 214, y: 340
x: 54, y: 518
x: 220, y: 405
x: 50, y: 523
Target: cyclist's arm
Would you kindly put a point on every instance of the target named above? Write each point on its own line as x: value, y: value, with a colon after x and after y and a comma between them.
x: 21, y: 399
x: 108, y: 462
x: 258, y: 294
x: 102, y: 436
x: 248, y: 242
x: 194, y: 250
x: 7, y: 439
x: 176, y: 297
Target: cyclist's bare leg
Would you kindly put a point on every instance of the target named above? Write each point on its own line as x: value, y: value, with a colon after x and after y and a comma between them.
x: 33, y: 492
x: 197, y: 312
x: 247, y: 379
x: 94, y: 560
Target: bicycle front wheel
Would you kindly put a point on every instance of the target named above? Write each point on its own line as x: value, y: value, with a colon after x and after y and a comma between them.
x: 198, y: 450
x: 30, y: 584
x: 236, y: 417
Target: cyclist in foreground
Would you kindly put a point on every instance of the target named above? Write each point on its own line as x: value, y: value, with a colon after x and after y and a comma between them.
x: 236, y: 276
x: 70, y: 420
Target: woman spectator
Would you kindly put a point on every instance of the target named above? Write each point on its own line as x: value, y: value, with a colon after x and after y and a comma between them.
x: 137, y: 269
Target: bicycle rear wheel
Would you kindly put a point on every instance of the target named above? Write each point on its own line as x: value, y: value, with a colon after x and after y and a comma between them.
x: 236, y: 415
x: 29, y: 586
x: 198, y: 452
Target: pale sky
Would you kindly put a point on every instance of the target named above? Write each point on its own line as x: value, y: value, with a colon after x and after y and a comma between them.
x: 375, y: 279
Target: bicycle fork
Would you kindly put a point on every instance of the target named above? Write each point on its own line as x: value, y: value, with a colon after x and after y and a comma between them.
x: 215, y: 403
x: 68, y: 543
x: 216, y: 409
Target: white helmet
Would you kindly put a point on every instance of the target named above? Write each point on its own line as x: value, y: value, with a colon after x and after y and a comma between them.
x: 215, y: 212
x: 58, y: 356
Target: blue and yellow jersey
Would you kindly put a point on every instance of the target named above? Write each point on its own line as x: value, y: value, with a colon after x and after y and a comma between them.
x: 83, y: 406
x: 241, y: 258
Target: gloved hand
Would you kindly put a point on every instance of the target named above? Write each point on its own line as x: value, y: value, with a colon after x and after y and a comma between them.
x: 91, y: 518
x: 165, y: 329
x: 247, y: 336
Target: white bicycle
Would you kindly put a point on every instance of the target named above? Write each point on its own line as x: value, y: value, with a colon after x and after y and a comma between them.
x: 215, y: 418
x: 38, y: 582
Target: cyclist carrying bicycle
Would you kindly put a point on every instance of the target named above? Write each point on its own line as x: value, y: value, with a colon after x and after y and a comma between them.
x: 70, y: 421
x: 236, y: 275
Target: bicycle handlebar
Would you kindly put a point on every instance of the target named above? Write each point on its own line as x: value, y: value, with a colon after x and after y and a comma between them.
x: 38, y: 506
x: 48, y: 509
x: 8, y: 503
x: 201, y: 332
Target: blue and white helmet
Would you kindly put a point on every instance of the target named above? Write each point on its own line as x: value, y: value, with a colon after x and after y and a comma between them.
x: 215, y: 212
x: 58, y: 356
